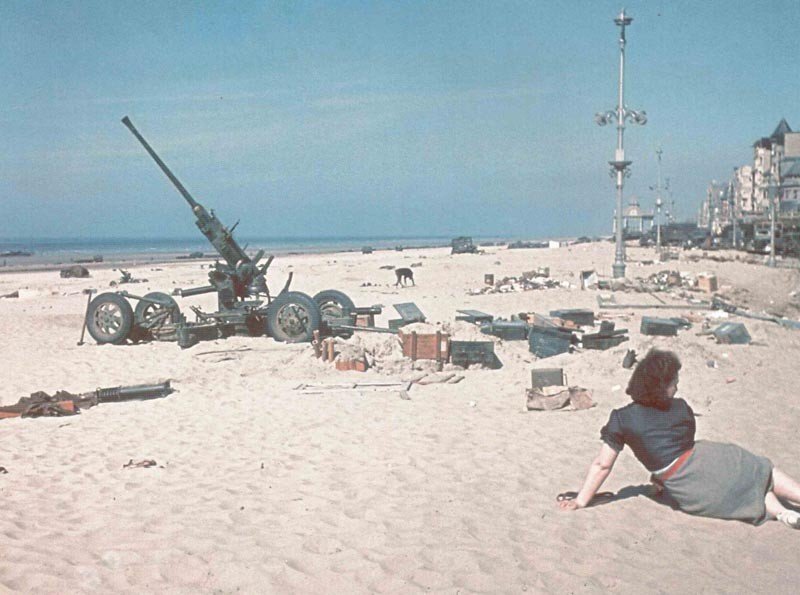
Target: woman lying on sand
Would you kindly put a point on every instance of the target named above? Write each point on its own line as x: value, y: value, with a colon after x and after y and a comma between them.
x: 705, y: 478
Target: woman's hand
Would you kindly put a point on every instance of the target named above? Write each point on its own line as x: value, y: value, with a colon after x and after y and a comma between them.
x: 567, y: 501
x: 569, y: 505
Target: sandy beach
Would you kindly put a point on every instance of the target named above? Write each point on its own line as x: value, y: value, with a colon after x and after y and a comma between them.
x: 260, y: 487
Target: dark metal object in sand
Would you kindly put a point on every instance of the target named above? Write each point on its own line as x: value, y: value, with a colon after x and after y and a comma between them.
x: 244, y: 303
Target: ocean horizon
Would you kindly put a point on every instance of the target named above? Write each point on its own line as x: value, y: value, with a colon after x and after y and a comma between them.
x: 54, y: 250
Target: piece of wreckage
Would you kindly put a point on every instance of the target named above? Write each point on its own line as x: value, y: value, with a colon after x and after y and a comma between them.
x: 245, y: 305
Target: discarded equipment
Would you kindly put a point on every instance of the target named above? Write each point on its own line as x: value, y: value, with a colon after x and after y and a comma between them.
x: 509, y: 330
x: 666, y: 327
x: 75, y: 271
x: 239, y: 282
x: 409, y: 313
x: 474, y: 316
x: 579, y: 316
x: 605, y: 338
x: 546, y: 341
x: 731, y: 332
x: 126, y: 277
x: 467, y: 353
x: 40, y: 404
x: 435, y: 346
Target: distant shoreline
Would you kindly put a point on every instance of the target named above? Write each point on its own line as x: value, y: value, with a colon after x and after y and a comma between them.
x: 55, y: 257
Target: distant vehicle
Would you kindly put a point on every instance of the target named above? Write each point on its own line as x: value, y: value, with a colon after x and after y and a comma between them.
x: 463, y: 245
x: 685, y: 234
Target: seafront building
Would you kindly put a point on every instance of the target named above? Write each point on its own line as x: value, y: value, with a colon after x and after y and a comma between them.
x: 773, y: 175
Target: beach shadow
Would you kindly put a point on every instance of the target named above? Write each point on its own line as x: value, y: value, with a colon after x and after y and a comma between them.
x: 646, y: 490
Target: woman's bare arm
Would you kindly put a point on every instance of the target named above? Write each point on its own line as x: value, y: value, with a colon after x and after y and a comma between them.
x: 598, y: 471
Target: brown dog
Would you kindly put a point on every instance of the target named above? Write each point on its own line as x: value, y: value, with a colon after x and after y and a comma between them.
x: 404, y: 274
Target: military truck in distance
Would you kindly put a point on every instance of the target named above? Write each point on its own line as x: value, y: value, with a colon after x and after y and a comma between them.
x: 463, y: 245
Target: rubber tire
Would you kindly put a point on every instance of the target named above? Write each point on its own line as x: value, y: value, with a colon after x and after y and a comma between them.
x: 102, y: 310
x: 141, y: 311
x: 282, y: 305
x: 330, y: 300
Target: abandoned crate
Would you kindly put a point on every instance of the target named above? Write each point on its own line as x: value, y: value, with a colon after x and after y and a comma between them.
x: 474, y: 316
x: 488, y: 278
x: 666, y: 327
x: 510, y: 330
x: 731, y: 332
x: 409, y: 312
x: 579, y: 316
x: 707, y: 282
x: 425, y: 345
x: 466, y: 353
x: 543, y: 377
x: 549, y: 341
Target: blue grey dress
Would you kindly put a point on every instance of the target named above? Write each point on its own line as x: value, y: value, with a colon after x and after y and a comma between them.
x: 718, y: 480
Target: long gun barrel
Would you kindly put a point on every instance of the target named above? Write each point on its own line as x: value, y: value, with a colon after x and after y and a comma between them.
x: 219, y: 236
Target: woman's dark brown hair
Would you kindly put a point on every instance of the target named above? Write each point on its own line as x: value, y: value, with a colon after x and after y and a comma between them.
x: 649, y: 382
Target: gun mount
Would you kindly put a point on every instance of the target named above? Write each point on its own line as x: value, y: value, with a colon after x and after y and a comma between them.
x: 240, y: 285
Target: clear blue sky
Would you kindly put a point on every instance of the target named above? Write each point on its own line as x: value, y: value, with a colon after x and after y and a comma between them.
x: 375, y: 118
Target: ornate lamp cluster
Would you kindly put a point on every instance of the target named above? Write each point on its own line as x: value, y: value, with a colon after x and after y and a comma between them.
x: 619, y: 167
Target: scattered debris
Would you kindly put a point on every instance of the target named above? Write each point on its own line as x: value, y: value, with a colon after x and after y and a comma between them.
x: 542, y: 377
x: 468, y: 353
x: 732, y: 333
x: 145, y: 463
x: 126, y: 277
x: 474, y: 316
x: 527, y: 281
x: 557, y: 397
x: 510, y: 330
x: 95, y: 258
x: 667, y: 327
x: 41, y: 404
x: 605, y: 338
x: 75, y: 271
x: 629, y: 360
x: 13, y: 294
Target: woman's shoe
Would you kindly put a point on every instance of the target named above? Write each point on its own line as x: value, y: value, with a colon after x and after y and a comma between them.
x: 790, y: 518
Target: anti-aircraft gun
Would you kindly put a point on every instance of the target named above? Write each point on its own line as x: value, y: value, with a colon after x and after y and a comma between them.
x: 240, y: 285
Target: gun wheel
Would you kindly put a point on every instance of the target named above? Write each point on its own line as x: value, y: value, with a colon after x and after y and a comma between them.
x: 334, y: 304
x: 292, y: 317
x: 148, y: 314
x: 109, y: 318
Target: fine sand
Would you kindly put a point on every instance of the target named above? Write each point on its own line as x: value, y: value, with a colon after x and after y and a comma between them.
x: 262, y: 488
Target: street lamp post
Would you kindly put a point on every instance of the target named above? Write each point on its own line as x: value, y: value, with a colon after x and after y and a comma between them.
x: 619, y: 167
x: 658, y: 204
x: 733, y: 197
x: 773, y: 200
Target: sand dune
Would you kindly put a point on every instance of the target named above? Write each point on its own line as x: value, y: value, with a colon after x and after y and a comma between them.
x: 260, y: 488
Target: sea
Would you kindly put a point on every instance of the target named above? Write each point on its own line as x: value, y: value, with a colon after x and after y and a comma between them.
x: 43, y: 251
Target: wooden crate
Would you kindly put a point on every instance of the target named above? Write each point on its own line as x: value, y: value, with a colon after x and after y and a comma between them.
x: 707, y: 283
x: 425, y: 345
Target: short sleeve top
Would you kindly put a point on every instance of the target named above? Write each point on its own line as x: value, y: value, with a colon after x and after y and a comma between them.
x: 657, y: 437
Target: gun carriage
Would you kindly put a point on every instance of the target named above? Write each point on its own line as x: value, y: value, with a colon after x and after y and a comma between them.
x: 244, y: 303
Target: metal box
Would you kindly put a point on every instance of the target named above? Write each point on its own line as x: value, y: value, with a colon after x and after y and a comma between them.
x: 466, y: 353
x: 511, y: 330
x: 542, y: 377
x: 474, y: 316
x: 659, y: 326
x: 731, y: 332
x: 548, y: 341
x: 579, y: 316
